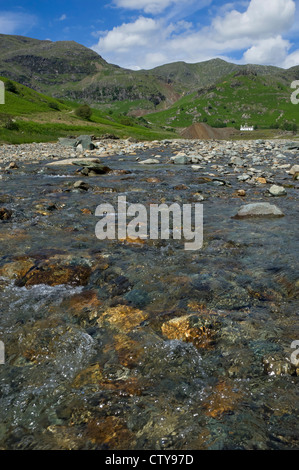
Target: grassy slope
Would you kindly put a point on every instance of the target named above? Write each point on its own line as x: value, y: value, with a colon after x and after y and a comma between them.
x: 256, y: 100
x: 38, y: 122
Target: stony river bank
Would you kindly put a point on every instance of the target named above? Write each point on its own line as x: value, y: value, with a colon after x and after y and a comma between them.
x: 140, y: 344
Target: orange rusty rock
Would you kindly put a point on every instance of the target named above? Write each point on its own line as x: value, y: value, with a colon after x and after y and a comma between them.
x: 110, y: 432
x: 137, y: 241
x: 182, y: 329
x: 54, y: 274
x: 223, y: 399
x: 84, y: 300
x: 90, y: 375
x: 153, y: 180
x: 261, y: 180
x: 130, y: 387
x: 128, y: 350
x: 15, y: 235
x: 86, y: 211
x: 122, y: 318
x: 16, y: 269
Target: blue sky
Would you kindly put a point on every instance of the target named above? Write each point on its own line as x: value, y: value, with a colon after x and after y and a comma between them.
x: 146, y: 33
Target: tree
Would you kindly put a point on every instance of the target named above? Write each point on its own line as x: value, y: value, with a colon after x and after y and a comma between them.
x: 84, y: 112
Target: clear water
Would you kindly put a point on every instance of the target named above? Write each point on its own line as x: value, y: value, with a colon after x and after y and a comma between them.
x: 77, y: 378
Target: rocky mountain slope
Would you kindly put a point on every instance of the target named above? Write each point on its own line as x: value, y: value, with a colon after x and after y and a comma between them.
x: 68, y: 70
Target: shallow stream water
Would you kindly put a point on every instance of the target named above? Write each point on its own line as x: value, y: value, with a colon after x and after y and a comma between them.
x: 94, y: 365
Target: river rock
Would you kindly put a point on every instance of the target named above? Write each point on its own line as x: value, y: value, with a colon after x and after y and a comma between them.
x: 259, y: 209
x: 81, y: 185
x: 5, y: 214
x: 150, y: 161
x: 85, y: 142
x: 55, y: 272
x: 294, y: 170
x: 179, y: 160
x: 276, y: 190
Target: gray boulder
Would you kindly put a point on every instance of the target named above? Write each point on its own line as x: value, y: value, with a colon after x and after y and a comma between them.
x: 276, y: 190
x: 259, y: 209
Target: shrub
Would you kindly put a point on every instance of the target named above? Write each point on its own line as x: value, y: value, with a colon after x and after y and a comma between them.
x: 10, y: 86
x: 54, y: 105
x: 84, y: 112
x: 11, y: 125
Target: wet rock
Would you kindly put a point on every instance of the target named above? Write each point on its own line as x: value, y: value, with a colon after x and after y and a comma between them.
x: 81, y: 185
x: 236, y: 161
x: 277, y: 365
x: 91, y: 375
x: 191, y: 329
x: 244, y: 177
x: 110, y: 433
x: 17, y: 269
x: 276, y: 190
x: 150, y: 161
x: 122, y: 318
x: 241, y: 192
x: 224, y: 398
x: 137, y: 298
x: 12, y: 166
x: 179, y: 160
x: 92, y: 168
x: 259, y: 209
x: 53, y: 273
x: 84, y: 305
x: 5, y: 214
x: 294, y: 170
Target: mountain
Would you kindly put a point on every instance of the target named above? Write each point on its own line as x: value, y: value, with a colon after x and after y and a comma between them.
x: 70, y: 71
x: 240, y: 97
x: 66, y: 69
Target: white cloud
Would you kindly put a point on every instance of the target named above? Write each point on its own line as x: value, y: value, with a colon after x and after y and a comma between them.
x: 272, y: 51
x: 62, y: 18
x: 11, y: 22
x: 292, y: 60
x: 148, y: 42
x: 129, y: 35
x: 148, y: 6
x: 261, y: 19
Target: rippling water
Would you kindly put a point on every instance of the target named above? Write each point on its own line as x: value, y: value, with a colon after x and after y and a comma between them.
x: 93, y: 367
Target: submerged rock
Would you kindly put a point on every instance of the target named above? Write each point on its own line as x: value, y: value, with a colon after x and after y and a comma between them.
x: 259, y: 209
x: 5, y: 214
x: 191, y: 329
x: 54, y: 273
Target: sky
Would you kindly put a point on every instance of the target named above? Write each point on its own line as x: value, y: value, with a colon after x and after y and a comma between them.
x: 142, y: 34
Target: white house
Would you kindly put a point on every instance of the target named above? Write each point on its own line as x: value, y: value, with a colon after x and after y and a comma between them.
x: 247, y: 128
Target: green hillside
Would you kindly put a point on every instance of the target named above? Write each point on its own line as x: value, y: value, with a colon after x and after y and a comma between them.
x: 262, y: 101
x: 29, y: 116
x: 68, y: 70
